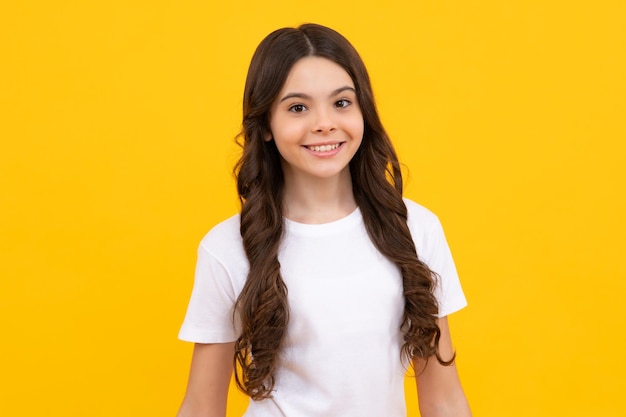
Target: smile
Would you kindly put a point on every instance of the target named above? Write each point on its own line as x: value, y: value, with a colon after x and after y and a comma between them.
x: 323, y: 148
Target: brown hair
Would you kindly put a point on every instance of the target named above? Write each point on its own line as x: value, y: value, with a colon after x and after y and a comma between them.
x: 262, y: 306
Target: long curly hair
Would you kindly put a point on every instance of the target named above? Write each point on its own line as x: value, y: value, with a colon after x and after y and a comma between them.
x: 262, y: 306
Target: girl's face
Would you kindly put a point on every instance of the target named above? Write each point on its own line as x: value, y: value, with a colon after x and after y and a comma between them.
x: 316, y: 121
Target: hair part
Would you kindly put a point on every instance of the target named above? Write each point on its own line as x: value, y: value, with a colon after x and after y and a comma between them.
x: 262, y: 306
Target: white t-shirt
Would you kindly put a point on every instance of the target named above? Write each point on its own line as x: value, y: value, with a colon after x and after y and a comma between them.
x: 342, y: 353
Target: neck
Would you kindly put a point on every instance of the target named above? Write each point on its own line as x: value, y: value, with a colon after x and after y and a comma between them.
x: 318, y: 200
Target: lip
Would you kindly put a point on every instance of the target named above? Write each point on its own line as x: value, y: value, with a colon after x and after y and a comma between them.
x: 324, y: 153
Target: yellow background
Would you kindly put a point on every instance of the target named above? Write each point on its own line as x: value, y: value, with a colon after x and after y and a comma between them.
x: 117, y: 127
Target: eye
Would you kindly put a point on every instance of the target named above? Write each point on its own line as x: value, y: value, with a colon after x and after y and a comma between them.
x: 343, y: 103
x: 297, y: 108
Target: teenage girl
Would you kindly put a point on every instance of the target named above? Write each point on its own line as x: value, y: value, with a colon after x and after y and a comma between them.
x: 328, y: 285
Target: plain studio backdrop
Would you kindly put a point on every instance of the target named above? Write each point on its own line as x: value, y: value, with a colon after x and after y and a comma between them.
x: 117, y: 135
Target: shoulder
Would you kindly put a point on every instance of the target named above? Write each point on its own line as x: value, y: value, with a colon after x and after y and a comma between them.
x: 424, y: 225
x: 420, y: 217
x: 224, y: 239
x: 432, y: 248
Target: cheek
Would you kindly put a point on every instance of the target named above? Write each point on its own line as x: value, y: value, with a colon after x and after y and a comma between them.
x: 357, y: 127
x: 287, y: 130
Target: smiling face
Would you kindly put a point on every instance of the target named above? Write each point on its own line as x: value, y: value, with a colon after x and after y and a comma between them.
x: 316, y: 121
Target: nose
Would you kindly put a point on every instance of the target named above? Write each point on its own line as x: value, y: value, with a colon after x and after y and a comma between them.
x: 324, y: 122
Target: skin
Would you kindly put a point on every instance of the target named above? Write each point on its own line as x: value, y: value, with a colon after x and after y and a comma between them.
x: 317, y: 126
x: 209, y: 378
x: 439, y: 388
x: 317, y: 108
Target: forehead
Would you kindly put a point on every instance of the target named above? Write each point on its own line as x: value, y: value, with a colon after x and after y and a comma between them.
x: 315, y: 74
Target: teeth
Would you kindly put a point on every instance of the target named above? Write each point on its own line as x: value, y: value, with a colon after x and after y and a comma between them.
x: 324, y: 148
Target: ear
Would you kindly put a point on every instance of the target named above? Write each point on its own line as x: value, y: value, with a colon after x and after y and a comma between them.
x: 268, y: 137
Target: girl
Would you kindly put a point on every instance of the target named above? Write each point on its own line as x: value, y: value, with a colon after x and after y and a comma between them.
x: 328, y: 284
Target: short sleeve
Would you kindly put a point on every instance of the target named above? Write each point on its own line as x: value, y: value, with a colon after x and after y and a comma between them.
x: 432, y: 248
x: 209, y: 317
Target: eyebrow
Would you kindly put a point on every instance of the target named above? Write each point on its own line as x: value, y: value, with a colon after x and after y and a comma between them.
x: 306, y: 96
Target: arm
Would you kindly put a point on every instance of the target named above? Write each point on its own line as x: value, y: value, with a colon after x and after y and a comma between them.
x: 209, y: 377
x: 439, y: 388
